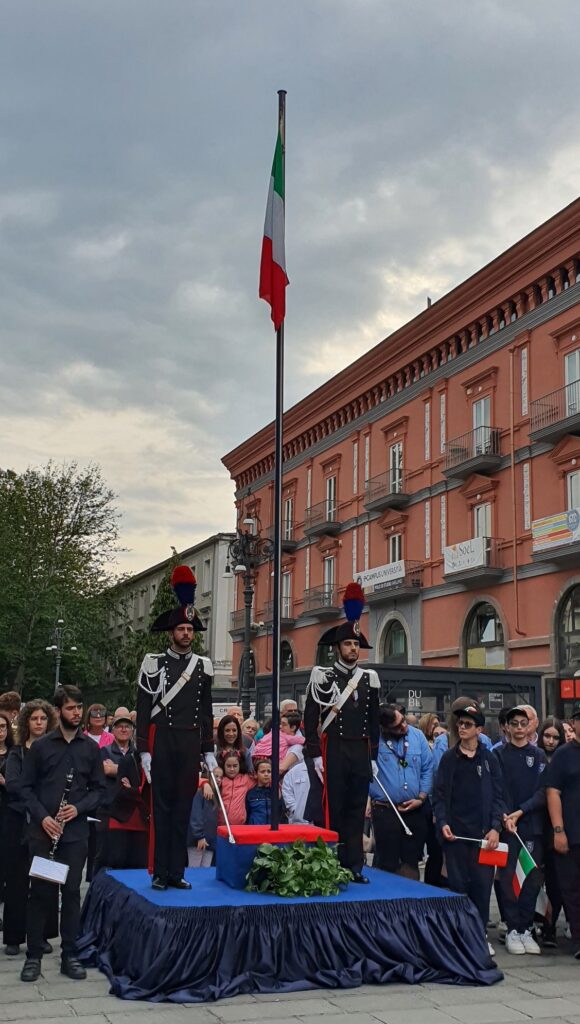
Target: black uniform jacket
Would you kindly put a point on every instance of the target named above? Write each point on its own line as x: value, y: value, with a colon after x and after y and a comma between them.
x: 357, y: 719
x: 191, y: 708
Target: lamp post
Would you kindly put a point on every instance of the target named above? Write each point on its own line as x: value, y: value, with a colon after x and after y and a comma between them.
x: 244, y: 554
x: 61, y: 637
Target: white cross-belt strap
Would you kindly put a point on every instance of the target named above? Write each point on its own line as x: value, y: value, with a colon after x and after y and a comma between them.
x: 172, y: 693
x: 346, y: 693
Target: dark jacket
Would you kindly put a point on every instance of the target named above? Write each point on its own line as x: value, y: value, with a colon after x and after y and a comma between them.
x: 203, y: 820
x: 44, y: 781
x: 492, y: 801
x: 357, y: 719
x: 13, y: 776
x: 259, y: 806
x: 127, y: 799
x: 523, y: 773
x: 112, y: 753
x: 190, y: 709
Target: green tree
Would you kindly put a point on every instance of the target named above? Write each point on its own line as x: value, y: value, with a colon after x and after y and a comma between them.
x: 59, y: 529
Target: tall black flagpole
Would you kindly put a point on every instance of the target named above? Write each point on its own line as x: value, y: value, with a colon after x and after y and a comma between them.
x: 277, y: 593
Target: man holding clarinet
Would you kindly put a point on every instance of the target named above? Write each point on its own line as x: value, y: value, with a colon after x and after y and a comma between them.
x: 63, y: 782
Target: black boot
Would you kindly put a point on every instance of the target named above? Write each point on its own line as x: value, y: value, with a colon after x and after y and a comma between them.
x: 178, y: 883
x: 73, y: 968
x: 31, y: 970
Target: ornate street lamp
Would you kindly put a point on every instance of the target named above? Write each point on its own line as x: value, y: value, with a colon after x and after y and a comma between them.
x: 244, y: 554
x: 61, y: 639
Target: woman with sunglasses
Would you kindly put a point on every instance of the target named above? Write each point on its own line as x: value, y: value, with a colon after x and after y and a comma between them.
x: 95, y: 725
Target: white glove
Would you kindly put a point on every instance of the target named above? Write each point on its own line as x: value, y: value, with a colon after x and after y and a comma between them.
x: 374, y: 768
x: 210, y: 761
x: 146, y: 765
x: 319, y: 768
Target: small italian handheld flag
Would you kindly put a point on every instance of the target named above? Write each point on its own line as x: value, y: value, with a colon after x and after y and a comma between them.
x: 273, y: 278
x: 525, y: 864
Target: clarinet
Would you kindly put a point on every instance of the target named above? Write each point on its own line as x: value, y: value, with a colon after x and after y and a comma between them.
x: 63, y: 803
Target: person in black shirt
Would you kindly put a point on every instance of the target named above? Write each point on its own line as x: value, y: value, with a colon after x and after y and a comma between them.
x: 468, y: 803
x: 563, y: 796
x: 523, y: 766
x: 44, y: 779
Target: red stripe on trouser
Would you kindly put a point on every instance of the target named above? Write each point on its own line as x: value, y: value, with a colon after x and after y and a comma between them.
x: 151, y: 855
x: 325, y: 807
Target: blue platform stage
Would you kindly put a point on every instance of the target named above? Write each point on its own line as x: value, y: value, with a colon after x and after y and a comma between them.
x: 214, y: 941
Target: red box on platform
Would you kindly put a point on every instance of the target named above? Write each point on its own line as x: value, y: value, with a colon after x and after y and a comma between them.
x: 234, y: 860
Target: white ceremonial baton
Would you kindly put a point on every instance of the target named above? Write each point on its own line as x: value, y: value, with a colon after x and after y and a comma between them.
x: 222, y: 808
x: 406, y: 828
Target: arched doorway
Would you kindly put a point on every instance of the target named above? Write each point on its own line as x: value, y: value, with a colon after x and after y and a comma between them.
x: 568, y: 632
x: 286, y: 656
x: 484, y: 638
x: 395, y: 646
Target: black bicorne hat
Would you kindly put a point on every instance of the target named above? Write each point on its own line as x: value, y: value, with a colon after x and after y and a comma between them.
x: 184, y: 583
x: 353, y: 603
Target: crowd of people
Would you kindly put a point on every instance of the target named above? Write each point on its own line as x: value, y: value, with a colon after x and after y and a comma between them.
x: 95, y: 789
x: 444, y: 781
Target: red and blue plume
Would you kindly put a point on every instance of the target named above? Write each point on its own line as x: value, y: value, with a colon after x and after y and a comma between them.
x: 183, y: 582
x: 353, y: 602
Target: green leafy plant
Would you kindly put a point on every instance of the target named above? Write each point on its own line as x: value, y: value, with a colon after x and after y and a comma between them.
x: 297, y: 870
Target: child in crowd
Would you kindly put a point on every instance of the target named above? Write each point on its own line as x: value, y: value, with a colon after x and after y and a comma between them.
x: 234, y: 788
x: 289, y: 737
x: 259, y: 799
x: 203, y: 823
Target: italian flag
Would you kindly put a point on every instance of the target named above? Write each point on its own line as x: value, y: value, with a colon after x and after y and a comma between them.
x: 525, y: 864
x: 273, y: 279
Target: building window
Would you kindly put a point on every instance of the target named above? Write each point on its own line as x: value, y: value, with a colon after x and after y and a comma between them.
x: 527, y: 495
x: 309, y: 487
x: 367, y: 458
x: 286, y: 609
x: 442, y: 421
x: 286, y: 657
x: 482, y: 520
x: 568, y: 633
x: 484, y: 640
x: 443, y: 513
x: 328, y: 567
x: 395, y: 547
x: 524, y: 380
x: 288, y: 519
x: 366, y: 544
x: 331, y: 498
x: 307, y: 569
x: 572, y: 376
x: 395, y: 647
x: 206, y: 578
x: 325, y: 655
x: 354, y: 554
x: 355, y: 467
x: 427, y: 530
x: 427, y: 431
x: 573, y: 490
x: 481, y: 425
x: 396, y: 467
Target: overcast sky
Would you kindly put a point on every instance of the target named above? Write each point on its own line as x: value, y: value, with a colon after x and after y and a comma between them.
x: 136, y: 139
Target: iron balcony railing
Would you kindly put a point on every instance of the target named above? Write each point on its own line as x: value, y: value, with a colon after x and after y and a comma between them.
x: 238, y: 620
x: 323, y: 512
x: 556, y: 406
x: 285, y: 609
x: 482, y: 441
x: 320, y: 597
x: 288, y: 532
x: 382, y: 486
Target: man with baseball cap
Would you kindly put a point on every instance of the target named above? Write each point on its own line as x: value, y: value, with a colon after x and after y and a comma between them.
x: 468, y: 805
x: 523, y: 765
x: 563, y: 796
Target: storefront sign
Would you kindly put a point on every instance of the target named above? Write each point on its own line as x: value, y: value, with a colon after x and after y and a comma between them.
x: 553, y: 531
x: 469, y: 554
x: 383, y: 574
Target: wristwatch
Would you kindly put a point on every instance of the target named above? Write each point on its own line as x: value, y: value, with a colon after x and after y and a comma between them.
x: 559, y: 828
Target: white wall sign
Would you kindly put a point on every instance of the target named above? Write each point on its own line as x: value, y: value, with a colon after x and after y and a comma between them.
x: 381, y: 574
x: 469, y: 554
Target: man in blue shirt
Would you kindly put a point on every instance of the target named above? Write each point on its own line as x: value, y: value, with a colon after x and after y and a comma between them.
x: 405, y: 769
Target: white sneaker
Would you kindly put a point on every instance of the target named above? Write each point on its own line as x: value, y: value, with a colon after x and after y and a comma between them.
x: 514, y: 943
x: 529, y: 943
x: 491, y: 949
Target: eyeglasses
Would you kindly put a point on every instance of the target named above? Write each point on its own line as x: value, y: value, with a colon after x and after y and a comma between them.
x: 98, y: 714
x: 466, y: 725
x: 519, y: 723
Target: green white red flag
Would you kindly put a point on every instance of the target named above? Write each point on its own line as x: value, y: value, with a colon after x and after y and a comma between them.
x: 273, y: 278
x: 525, y: 864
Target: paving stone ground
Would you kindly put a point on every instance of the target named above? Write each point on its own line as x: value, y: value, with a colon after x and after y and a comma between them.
x: 536, y: 988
